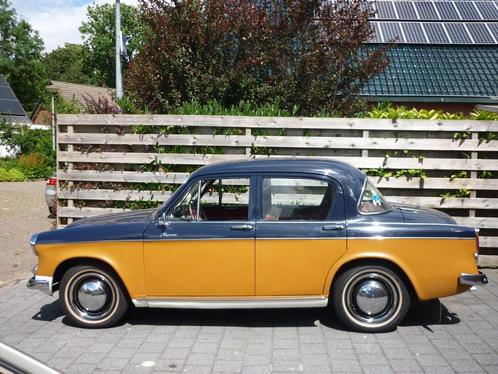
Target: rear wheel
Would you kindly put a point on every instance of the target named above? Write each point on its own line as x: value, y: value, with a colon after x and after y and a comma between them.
x: 370, y: 298
x: 92, y: 297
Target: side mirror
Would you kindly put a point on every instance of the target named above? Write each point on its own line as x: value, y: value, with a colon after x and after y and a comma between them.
x: 161, y: 221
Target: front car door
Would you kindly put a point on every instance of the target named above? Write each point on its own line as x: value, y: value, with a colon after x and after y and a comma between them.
x: 206, y: 247
x: 300, y: 234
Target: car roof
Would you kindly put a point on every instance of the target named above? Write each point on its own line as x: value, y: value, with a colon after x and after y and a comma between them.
x: 334, y: 168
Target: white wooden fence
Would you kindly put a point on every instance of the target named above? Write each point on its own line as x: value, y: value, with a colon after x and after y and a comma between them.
x: 107, y: 161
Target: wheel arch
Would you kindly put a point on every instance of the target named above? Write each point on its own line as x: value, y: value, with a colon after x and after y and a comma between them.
x: 390, y: 263
x: 65, y: 265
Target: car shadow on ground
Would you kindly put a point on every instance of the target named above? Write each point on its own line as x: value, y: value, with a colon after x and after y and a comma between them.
x: 422, y: 314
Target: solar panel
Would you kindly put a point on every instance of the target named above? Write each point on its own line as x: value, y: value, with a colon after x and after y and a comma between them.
x: 426, y: 10
x: 406, y: 10
x: 458, y: 33
x: 8, y: 101
x: 493, y: 27
x: 435, y: 32
x: 385, y: 10
x: 446, y: 10
x: 376, y: 36
x: 487, y: 9
x: 391, y: 31
x: 467, y: 10
x: 480, y: 33
x: 413, y: 32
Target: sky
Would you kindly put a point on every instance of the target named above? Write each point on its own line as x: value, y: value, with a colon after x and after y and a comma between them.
x: 57, y: 21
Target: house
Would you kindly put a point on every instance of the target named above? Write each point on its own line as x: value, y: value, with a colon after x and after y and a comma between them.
x: 446, y: 55
x: 72, y: 92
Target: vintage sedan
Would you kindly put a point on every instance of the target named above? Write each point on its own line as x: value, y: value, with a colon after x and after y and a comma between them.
x: 273, y: 233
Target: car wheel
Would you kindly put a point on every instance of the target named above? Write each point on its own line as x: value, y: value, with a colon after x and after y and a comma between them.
x: 370, y: 299
x: 92, y: 297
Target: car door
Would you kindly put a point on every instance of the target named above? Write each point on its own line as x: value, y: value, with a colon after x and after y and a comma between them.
x: 300, y: 234
x: 206, y: 247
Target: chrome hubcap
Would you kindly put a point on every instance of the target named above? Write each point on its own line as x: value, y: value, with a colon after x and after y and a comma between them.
x: 92, y: 295
x: 372, y: 297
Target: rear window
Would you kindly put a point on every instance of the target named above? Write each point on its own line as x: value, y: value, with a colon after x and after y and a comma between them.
x: 372, y: 200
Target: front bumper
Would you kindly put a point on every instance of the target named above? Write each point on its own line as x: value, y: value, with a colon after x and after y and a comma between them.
x: 43, y: 284
x: 473, y: 279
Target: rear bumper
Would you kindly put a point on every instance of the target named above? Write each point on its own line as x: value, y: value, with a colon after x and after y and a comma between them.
x: 473, y: 279
x: 43, y: 284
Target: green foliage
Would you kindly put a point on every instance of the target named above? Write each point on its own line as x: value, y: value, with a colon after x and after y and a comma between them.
x: 243, y: 108
x: 310, y: 54
x: 486, y: 174
x: 462, y: 135
x: 67, y: 64
x: 379, y: 172
x: 389, y: 111
x: 483, y: 115
x: 411, y: 173
x: 459, y: 174
x: 34, y: 148
x: 20, y: 57
x: 98, y: 34
x: 11, y: 175
x: 462, y: 193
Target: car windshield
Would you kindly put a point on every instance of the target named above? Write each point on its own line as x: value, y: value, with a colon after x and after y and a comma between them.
x: 372, y: 200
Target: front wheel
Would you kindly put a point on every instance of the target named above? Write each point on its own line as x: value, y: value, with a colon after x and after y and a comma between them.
x: 92, y: 297
x: 370, y: 299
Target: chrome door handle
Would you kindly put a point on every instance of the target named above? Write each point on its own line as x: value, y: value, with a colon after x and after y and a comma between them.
x: 242, y: 227
x: 333, y: 227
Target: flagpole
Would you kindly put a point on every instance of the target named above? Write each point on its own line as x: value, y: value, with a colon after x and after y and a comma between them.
x: 119, y: 78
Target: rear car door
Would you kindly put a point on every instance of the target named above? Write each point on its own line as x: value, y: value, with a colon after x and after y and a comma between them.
x: 300, y: 234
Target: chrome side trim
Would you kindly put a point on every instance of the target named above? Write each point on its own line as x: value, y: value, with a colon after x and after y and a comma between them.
x: 233, y: 303
x: 473, y: 279
x: 380, y: 237
x: 41, y: 283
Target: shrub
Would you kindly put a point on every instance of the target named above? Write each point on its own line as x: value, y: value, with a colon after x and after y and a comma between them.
x: 11, y: 175
x: 35, y: 165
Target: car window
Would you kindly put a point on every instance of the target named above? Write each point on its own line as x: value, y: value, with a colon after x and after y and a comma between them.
x: 372, y: 200
x: 301, y: 199
x: 224, y: 199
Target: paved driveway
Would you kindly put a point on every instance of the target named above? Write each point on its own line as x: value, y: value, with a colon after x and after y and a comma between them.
x: 258, y: 341
x: 22, y: 212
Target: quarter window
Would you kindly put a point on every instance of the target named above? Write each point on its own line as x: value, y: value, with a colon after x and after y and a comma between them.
x: 301, y: 199
x: 220, y: 200
x: 372, y: 200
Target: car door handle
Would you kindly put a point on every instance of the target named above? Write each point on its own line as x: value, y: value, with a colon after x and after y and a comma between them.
x: 242, y: 227
x: 333, y: 227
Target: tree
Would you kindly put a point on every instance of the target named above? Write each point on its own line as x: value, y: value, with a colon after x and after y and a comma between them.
x: 20, y: 53
x: 307, y: 53
x: 67, y: 64
x: 99, y: 39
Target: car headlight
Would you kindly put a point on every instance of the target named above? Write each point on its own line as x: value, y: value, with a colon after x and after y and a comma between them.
x: 32, y: 243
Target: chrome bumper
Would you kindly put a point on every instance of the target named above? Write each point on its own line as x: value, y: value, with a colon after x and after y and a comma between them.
x: 473, y: 279
x: 42, y: 284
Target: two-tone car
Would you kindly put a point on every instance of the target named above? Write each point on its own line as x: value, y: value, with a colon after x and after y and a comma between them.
x: 272, y: 233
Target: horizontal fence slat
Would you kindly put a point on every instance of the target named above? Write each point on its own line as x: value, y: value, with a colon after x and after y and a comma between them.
x: 316, y: 142
x: 478, y: 222
x: 279, y: 122
x: 175, y: 178
x: 136, y: 195
x: 204, y: 159
x: 488, y: 241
